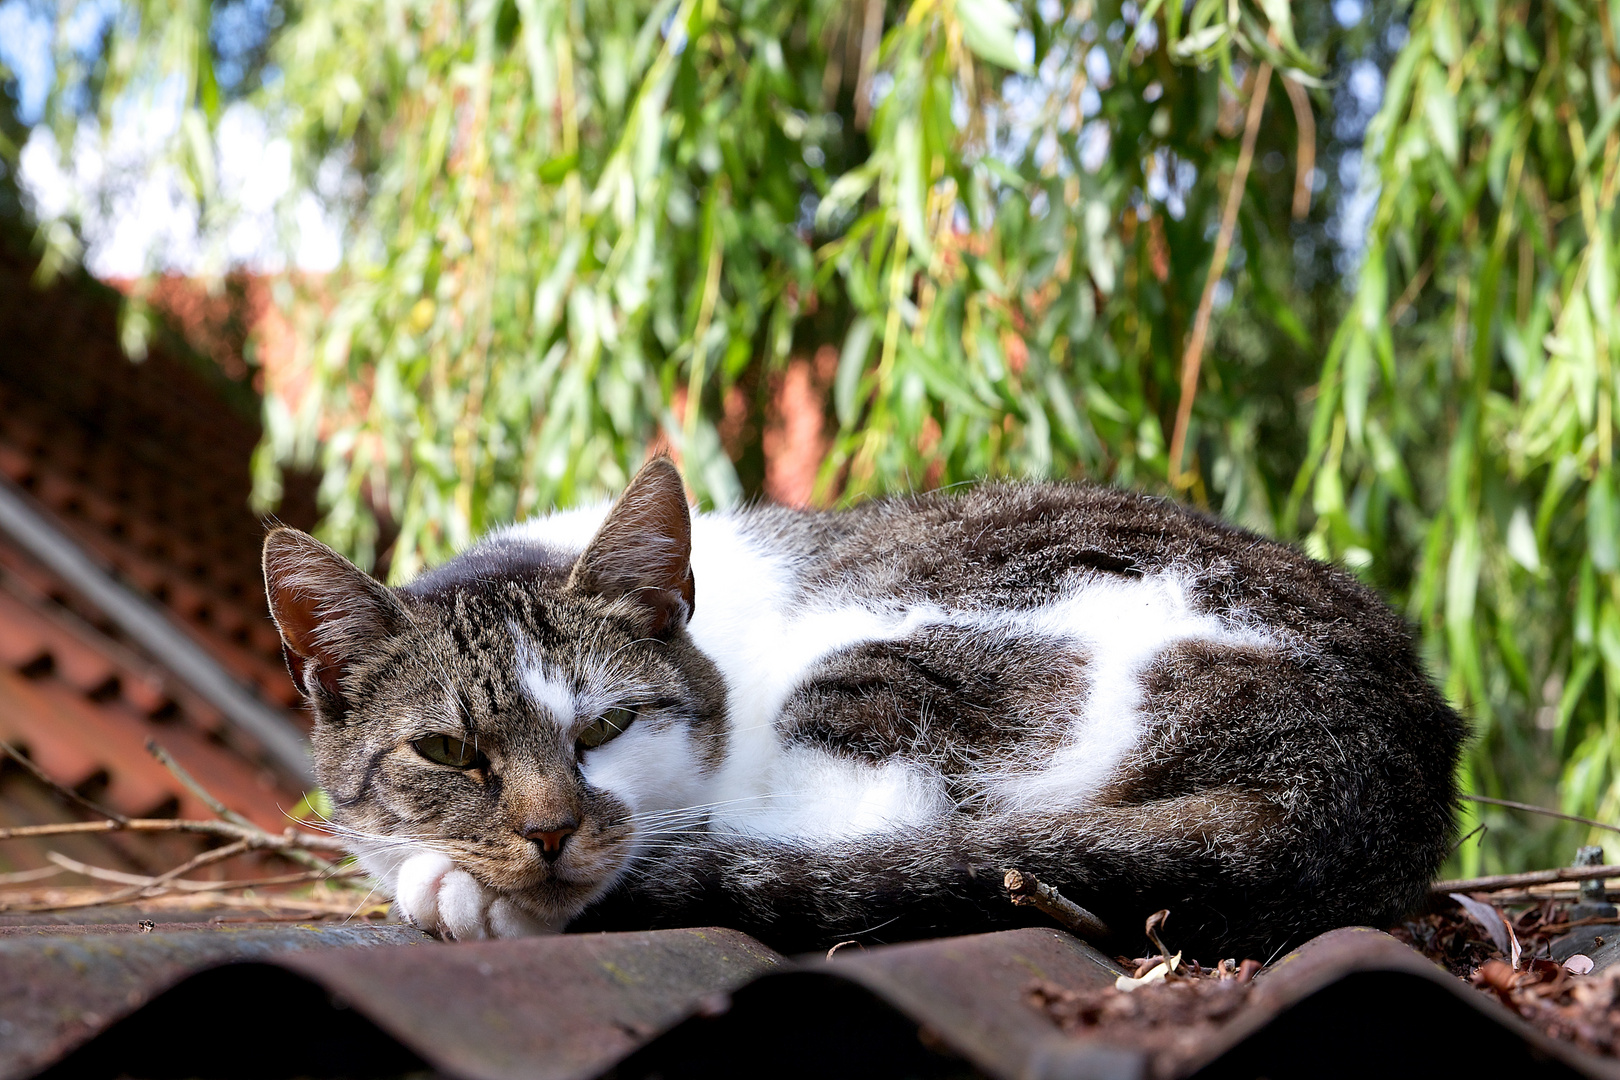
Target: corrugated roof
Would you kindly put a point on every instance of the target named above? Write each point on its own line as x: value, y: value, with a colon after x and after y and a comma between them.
x: 708, y: 1002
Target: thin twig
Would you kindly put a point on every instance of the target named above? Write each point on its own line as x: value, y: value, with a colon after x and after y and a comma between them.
x: 118, y: 877
x: 288, y: 841
x: 1029, y: 891
x: 213, y: 803
x: 1564, y: 891
x: 1305, y: 158
x: 22, y: 877
x: 1409, y: 294
x: 61, y: 789
x: 1510, y: 804
x: 1499, y: 882
x: 1566, y: 927
x: 158, y: 883
x: 167, y: 761
x: 1481, y: 829
x: 1193, y: 359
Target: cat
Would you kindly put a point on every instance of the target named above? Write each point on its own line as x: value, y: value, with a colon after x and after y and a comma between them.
x: 816, y: 726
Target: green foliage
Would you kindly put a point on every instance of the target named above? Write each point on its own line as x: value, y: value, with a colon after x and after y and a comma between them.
x: 580, y: 227
x: 1462, y: 446
x: 572, y: 219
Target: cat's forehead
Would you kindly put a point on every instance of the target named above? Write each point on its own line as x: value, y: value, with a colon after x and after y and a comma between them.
x: 483, y: 614
x: 561, y: 653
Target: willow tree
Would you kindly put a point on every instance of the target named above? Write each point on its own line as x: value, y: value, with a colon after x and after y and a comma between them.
x: 1462, y: 445
x: 1076, y: 238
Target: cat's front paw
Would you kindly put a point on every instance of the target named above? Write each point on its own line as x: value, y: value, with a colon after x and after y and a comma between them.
x: 432, y: 894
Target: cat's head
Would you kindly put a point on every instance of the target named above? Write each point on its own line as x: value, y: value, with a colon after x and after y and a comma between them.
x: 521, y: 709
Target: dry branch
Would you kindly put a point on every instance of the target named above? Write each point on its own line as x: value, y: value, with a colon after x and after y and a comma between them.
x: 1192, y: 360
x: 1500, y: 882
x: 1029, y: 891
x: 61, y: 789
x: 1305, y: 158
x: 118, y: 877
x: 179, y: 773
x: 219, y: 854
x: 258, y: 839
x: 240, y: 835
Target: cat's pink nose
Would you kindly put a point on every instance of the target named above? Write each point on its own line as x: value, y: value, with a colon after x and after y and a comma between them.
x: 552, y: 836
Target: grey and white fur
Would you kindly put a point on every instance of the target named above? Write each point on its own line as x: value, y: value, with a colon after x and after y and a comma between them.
x: 816, y: 726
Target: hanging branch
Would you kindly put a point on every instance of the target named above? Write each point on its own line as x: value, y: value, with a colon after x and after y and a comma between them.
x: 1305, y: 157
x: 1192, y: 360
x: 1510, y: 804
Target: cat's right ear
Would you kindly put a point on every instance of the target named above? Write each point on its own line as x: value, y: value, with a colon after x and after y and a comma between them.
x: 643, y: 550
x: 329, y: 612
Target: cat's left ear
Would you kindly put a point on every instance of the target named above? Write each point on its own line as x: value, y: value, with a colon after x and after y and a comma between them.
x: 329, y: 611
x: 643, y: 551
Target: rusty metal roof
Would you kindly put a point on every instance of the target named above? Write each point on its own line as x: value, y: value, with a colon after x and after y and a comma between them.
x: 263, y: 1000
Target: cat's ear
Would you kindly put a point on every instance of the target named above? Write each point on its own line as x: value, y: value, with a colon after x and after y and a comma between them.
x: 643, y: 550
x: 329, y: 612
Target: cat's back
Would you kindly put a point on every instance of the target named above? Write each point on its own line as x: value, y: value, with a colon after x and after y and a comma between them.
x: 1022, y: 545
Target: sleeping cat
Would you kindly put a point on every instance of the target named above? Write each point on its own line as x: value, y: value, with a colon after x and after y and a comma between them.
x: 815, y: 726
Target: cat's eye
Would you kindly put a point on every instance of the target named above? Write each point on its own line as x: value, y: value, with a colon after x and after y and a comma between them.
x: 447, y: 751
x: 610, y: 725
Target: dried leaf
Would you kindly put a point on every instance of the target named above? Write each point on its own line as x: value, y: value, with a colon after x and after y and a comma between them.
x: 1489, y: 918
x: 1156, y: 974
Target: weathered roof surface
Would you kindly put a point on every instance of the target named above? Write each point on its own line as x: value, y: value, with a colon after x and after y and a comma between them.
x: 322, y: 1001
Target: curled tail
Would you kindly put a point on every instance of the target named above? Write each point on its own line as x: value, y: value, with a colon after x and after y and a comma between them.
x: 1232, y: 867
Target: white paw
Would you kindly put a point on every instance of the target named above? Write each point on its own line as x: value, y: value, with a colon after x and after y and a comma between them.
x: 433, y: 895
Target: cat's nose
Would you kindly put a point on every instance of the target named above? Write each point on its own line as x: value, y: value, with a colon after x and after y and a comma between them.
x: 552, y: 835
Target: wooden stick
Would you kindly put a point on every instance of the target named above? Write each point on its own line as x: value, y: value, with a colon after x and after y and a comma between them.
x: 1029, y: 891
x: 1499, y: 882
x: 1193, y: 359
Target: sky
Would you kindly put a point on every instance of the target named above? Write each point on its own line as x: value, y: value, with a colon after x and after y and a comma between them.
x: 138, y: 213
x: 136, y: 209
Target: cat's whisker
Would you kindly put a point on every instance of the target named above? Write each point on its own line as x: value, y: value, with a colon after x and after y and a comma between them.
x: 361, y: 906
x: 700, y: 811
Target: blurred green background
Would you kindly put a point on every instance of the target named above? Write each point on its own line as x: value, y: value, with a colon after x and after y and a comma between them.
x: 988, y: 234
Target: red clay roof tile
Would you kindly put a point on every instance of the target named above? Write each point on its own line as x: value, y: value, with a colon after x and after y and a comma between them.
x: 147, y: 467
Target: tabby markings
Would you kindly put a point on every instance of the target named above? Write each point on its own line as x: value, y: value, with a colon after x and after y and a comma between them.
x: 765, y: 637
